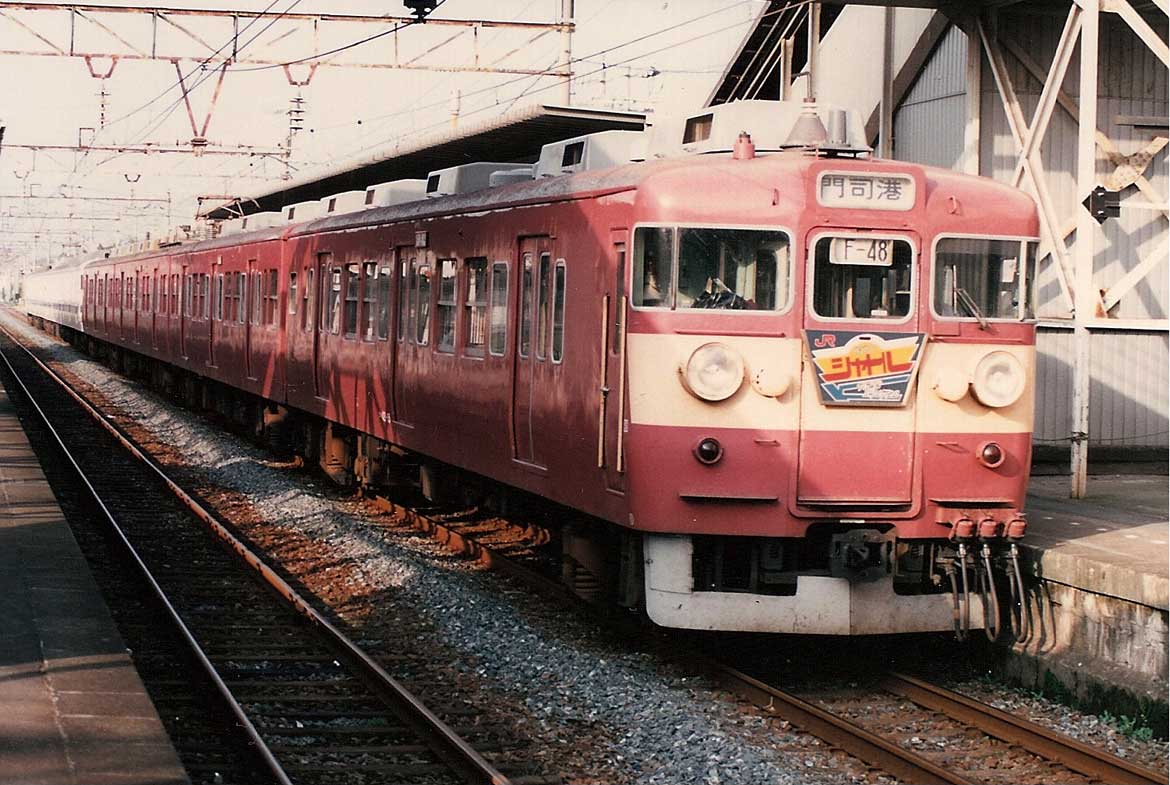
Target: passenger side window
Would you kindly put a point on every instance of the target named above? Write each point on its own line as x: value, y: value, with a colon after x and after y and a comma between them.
x: 475, y: 306
x: 331, y: 320
x: 526, y: 306
x: 620, y: 289
x: 499, y: 312
x: 369, y: 294
x: 352, y: 292
x: 271, y: 297
x: 384, y: 303
x: 241, y: 297
x: 405, y: 291
x: 558, y: 330
x: 542, y: 308
x: 446, y: 305
x: 292, y: 293
x: 421, y: 312
x: 307, y: 299
x: 218, y: 297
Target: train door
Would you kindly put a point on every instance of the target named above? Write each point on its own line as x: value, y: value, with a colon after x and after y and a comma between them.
x: 404, y: 260
x: 535, y: 258
x: 857, y: 419
x: 612, y: 396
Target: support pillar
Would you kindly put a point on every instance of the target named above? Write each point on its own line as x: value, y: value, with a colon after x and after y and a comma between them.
x: 1084, y: 296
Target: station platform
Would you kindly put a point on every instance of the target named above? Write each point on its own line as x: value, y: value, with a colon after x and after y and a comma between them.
x: 1101, y: 592
x: 73, y: 710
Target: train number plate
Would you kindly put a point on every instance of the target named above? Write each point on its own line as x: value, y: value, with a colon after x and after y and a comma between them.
x: 873, y: 251
x: 866, y: 191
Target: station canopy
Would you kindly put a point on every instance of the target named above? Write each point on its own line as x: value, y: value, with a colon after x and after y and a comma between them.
x: 514, y: 137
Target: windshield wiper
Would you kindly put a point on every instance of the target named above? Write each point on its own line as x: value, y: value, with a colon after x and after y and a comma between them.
x: 969, y: 303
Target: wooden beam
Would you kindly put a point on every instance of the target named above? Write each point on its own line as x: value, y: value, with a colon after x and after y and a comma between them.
x: 1151, y: 39
x: 1131, y: 278
x: 909, y: 71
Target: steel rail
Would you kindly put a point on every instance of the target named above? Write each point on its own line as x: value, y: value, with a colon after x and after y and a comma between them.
x: 255, y: 741
x: 853, y: 739
x: 451, y: 748
x: 1050, y: 745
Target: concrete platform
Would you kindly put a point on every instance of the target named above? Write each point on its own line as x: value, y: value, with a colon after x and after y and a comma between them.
x: 73, y: 710
x: 1101, y: 592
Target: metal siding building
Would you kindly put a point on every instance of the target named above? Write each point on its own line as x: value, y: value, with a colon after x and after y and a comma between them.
x: 1128, y: 396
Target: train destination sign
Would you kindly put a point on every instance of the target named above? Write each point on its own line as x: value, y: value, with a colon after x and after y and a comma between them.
x: 871, y: 251
x: 864, y: 369
x: 865, y: 190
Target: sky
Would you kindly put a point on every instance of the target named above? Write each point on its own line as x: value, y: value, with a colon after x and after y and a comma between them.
x: 646, y: 55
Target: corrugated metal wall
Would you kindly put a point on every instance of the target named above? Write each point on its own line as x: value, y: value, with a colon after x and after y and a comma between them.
x: 928, y: 125
x: 1129, y: 402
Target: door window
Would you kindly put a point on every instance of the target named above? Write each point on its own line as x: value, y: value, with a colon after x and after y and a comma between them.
x: 858, y: 277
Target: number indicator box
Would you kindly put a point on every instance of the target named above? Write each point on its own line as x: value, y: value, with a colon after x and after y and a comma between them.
x: 866, y: 190
x: 871, y: 251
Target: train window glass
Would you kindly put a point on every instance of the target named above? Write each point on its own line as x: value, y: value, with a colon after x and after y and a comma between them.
x: 146, y: 301
x: 980, y: 277
x: 258, y: 297
x: 307, y: 300
x: 241, y: 297
x: 446, y: 305
x: 205, y: 296
x: 475, y: 306
x: 653, y: 267
x: 352, y: 293
x: 542, y: 308
x: 733, y: 269
x: 175, y: 294
x: 405, y: 290
x: 332, y: 315
x: 421, y: 311
x: 217, y: 296
x: 499, y: 316
x: 271, y: 296
x: 369, y: 295
x: 1029, y: 296
x: 862, y: 278
x: 558, y: 328
x: 384, y: 302
x: 187, y: 296
x: 292, y: 292
x: 526, y: 306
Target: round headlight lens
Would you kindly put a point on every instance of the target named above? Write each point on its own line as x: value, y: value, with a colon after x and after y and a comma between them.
x: 714, y: 372
x: 999, y: 380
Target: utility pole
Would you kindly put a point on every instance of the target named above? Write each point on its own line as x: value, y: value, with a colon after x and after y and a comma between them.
x: 566, y: 64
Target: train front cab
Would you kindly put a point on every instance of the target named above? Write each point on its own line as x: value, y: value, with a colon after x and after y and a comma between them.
x: 847, y: 429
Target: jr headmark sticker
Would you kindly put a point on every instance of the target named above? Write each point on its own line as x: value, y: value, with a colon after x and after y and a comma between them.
x: 864, y: 369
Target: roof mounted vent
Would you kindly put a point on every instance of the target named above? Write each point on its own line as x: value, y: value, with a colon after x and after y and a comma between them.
x: 601, y: 150
x: 345, y: 202
x: 261, y: 221
x: 302, y: 211
x: 468, y: 177
x: 773, y: 125
x: 394, y: 192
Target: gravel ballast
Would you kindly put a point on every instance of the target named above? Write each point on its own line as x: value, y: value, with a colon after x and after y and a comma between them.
x: 661, y: 726
x: 617, y: 714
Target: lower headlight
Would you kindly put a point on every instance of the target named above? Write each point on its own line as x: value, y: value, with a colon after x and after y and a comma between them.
x: 714, y: 372
x: 999, y: 380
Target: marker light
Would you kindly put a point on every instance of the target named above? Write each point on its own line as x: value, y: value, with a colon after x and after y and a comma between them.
x: 709, y: 451
x: 714, y: 372
x: 999, y: 380
x: 991, y: 455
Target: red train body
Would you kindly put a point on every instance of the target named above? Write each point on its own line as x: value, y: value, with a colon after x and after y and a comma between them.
x: 544, y: 336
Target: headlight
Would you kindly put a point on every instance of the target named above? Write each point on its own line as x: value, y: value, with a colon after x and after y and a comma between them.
x: 999, y: 380
x: 714, y: 372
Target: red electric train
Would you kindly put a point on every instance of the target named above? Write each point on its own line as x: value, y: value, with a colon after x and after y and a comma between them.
x: 776, y: 385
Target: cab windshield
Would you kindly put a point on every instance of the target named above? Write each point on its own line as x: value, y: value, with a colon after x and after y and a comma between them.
x: 699, y: 268
x: 982, y: 278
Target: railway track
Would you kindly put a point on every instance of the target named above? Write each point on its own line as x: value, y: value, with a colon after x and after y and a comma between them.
x: 977, y: 739
x: 307, y: 703
x: 984, y: 744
